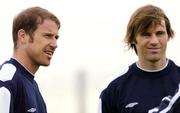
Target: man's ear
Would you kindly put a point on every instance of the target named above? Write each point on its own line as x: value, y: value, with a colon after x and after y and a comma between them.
x: 22, y: 36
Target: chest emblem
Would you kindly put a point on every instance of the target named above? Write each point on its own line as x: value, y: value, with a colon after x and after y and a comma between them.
x: 130, y: 105
x: 32, y: 110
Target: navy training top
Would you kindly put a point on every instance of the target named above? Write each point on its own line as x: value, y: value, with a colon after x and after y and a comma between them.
x: 138, y: 91
x: 19, y: 92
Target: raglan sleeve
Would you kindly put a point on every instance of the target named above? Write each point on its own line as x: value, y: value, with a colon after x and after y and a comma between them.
x: 107, y: 102
x: 104, y: 106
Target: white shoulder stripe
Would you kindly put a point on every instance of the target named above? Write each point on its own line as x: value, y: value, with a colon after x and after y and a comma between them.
x: 7, y: 72
x: 99, y: 107
x: 4, y: 100
x: 173, y: 100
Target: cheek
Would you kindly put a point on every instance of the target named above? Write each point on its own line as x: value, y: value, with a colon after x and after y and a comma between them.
x: 141, y: 49
x: 140, y: 45
x: 163, y: 43
x: 164, y: 46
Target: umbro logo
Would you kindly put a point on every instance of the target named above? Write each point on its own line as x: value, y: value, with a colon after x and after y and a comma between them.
x: 32, y: 110
x: 130, y: 105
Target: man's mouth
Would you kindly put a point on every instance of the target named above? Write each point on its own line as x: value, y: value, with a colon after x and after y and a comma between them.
x: 154, y: 50
x: 49, y: 53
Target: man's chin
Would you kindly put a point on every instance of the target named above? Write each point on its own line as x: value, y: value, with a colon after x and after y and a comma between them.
x: 45, y: 64
x: 154, y: 59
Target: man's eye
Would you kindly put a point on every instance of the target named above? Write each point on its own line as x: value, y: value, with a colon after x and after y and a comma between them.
x: 160, y: 33
x: 146, y: 34
x: 57, y: 37
x: 48, y: 36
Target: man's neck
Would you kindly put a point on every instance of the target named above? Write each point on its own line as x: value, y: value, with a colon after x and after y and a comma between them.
x: 26, y: 63
x: 152, y: 66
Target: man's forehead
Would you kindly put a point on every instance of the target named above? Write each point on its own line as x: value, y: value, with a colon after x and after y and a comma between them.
x: 155, y: 26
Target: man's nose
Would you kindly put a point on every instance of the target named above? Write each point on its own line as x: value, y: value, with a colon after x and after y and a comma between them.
x: 53, y: 43
x: 154, y: 39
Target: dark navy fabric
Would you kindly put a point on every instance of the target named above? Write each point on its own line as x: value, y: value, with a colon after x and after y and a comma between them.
x: 169, y: 104
x: 138, y: 91
x: 25, y: 96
